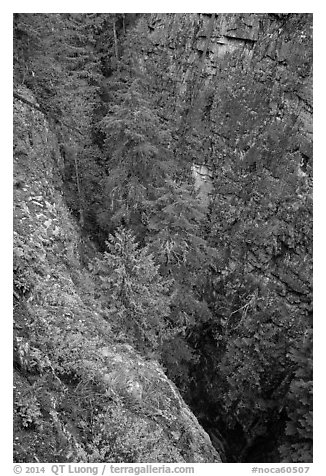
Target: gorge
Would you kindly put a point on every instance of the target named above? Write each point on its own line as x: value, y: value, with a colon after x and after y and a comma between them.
x: 163, y: 237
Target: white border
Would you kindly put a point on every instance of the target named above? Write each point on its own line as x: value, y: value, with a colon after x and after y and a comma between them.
x: 318, y: 466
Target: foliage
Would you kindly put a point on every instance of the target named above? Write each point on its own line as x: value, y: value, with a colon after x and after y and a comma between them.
x: 255, y: 348
x: 297, y: 446
x: 261, y: 223
x: 221, y: 296
x: 54, y: 59
x: 29, y: 411
x: 175, y: 229
x: 132, y: 290
x: 120, y: 438
x: 27, y: 263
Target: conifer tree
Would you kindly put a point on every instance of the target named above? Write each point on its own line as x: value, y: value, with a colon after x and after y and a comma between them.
x: 137, y: 148
x: 132, y: 290
x: 55, y: 59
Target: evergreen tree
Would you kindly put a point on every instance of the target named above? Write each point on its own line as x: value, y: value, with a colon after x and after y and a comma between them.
x: 297, y: 441
x: 175, y: 224
x: 56, y: 59
x: 261, y: 223
x: 132, y: 290
x: 138, y: 157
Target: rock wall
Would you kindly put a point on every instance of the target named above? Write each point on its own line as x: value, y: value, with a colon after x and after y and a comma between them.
x: 229, y: 82
x: 203, y: 179
x: 197, y: 52
x: 80, y: 394
x: 236, y: 90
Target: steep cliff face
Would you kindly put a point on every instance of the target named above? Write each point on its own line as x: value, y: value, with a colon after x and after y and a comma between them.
x: 200, y: 53
x: 238, y: 89
x: 237, y: 92
x: 79, y: 394
x: 229, y: 95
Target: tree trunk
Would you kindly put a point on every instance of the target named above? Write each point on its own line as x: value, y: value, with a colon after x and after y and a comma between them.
x: 115, y: 40
x: 81, y: 211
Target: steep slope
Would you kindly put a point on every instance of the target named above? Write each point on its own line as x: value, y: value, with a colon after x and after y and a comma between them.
x: 79, y: 394
x: 236, y: 90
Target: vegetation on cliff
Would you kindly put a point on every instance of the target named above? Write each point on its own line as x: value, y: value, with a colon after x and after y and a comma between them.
x: 112, y: 111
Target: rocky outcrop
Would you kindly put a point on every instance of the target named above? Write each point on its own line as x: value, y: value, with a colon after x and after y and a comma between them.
x: 80, y: 393
x: 229, y: 82
x: 235, y: 91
